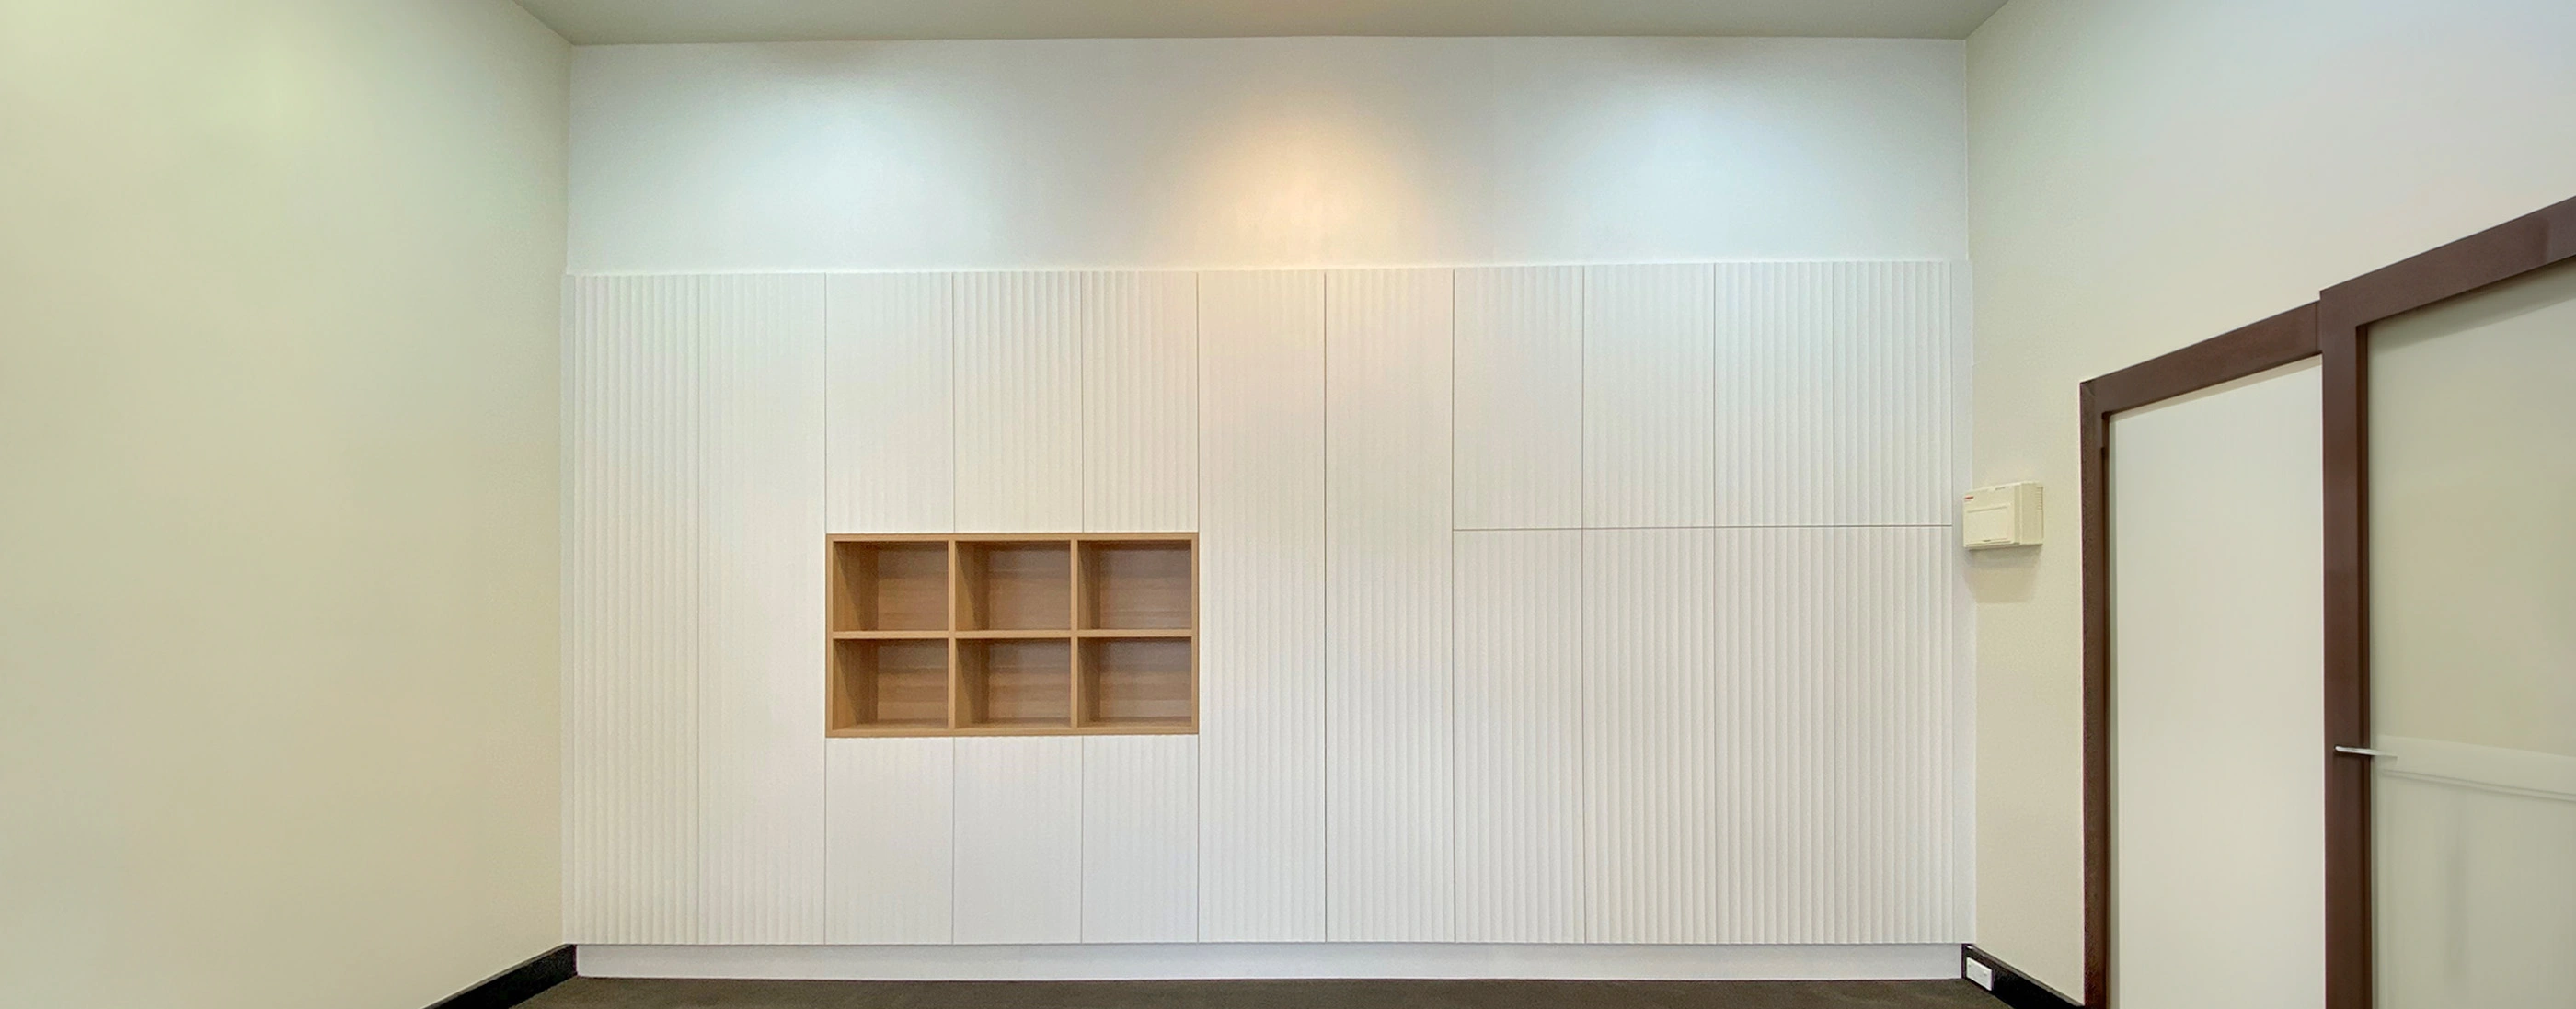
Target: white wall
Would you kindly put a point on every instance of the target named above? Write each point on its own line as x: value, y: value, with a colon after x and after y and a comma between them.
x: 1685, y: 720
x: 278, y: 322
x: 1218, y: 153
x: 1345, y: 441
x: 2217, y: 682
x: 2148, y: 173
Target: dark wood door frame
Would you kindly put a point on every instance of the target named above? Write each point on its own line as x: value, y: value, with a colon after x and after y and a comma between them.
x: 2335, y: 326
x: 2282, y: 339
x: 2346, y: 312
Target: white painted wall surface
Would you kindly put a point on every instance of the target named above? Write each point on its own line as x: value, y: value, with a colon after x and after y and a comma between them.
x: 1326, y: 431
x: 1223, y: 153
x: 2217, y: 670
x: 279, y: 301
x: 2148, y: 173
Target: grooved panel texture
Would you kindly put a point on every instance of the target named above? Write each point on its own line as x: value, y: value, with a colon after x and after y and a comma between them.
x: 1140, y: 386
x: 892, y: 840
x: 1652, y: 840
x: 1538, y: 604
x: 693, y: 652
x: 1519, y: 354
x: 633, y: 628
x: 1261, y: 617
x: 1836, y: 722
x: 1019, y: 402
x: 1140, y: 839
x: 1898, y: 383
x: 1519, y: 735
x: 1389, y: 873
x: 893, y: 434
x: 1776, y: 406
x: 760, y: 687
x: 1648, y: 397
x: 1019, y: 839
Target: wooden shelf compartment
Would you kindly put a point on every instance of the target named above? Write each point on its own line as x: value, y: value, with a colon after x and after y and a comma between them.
x: 1138, y: 584
x: 899, y: 585
x: 1139, y: 682
x: 1014, y: 585
x: 993, y: 634
x: 1016, y: 683
x: 889, y: 685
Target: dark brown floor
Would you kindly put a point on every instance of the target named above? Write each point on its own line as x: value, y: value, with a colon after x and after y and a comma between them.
x: 615, y: 993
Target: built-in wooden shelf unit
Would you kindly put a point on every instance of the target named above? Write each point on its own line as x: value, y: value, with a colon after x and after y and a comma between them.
x: 1008, y: 635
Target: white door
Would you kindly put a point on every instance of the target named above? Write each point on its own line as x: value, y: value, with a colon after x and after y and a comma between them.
x: 2217, y: 737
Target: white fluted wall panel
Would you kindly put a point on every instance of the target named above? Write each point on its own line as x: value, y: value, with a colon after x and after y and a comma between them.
x: 891, y: 840
x: 1836, y: 725
x: 1899, y: 593
x: 1019, y: 401
x: 1140, y: 385
x: 1019, y: 839
x: 1898, y: 385
x: 1648, y: 396
x: 1261, y: 607
x: 1519, y: 735
x: 760, y: 688
x: 1389, y: 871
x: 1140, y: 839
x: 1519, y: 352
x: 893, y: 435
x: 1776, y: 406
x: 1548, y: 604
x: 694, y: 507
x: 633, y: 631
x: 1651, y: 832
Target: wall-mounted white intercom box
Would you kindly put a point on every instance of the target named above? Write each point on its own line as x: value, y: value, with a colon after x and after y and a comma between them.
x: 2004, y: 516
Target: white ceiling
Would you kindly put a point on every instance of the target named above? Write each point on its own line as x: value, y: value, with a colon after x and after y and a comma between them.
x: 603, y: 22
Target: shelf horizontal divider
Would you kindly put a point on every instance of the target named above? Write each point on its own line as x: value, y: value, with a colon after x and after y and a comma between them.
x: 1156, y: 633
x: 1139, y: 728
x: 1012, y: 635
x: 889, y: 635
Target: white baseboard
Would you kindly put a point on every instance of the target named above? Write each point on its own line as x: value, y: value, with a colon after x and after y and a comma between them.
x: 1212, y: 961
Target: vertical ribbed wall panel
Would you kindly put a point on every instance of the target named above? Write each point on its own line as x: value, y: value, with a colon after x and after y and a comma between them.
x: 695, y: 517
x: 1519, y: 732
x: 1775, y: 394
x: 1389, y: 865
x: 1140, y: 389
x: 1648, y: 396
x: 1784, y: 712
x: 1019, y: 402
x: 1261, y: 617
x: 1836, y: 721
x: 1019, y: 839
x: 1140, y: 839
x: 1897, y: 386
x: 635, y: 628
x: 760, y: 682
x: 893, y: 439
x: 892, y: 840
x: 1899, y: 595
x: 1520, y: 398
x: 1650, y: 744
x: 1621, y: 735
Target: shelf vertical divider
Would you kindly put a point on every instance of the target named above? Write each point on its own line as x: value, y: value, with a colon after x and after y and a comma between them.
x: 1074, y: 626
x: 956, y: 671
x: 1194, y: 632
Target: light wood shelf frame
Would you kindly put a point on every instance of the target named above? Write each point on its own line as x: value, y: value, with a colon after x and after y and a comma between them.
x: 989, y: 634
